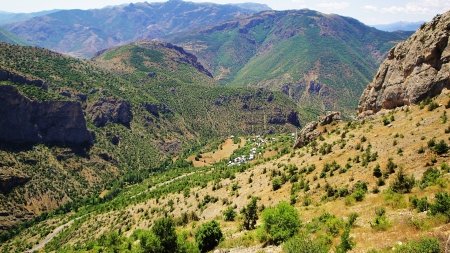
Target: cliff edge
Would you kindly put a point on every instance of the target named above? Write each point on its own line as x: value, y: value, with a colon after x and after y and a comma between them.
x: 415, y: 69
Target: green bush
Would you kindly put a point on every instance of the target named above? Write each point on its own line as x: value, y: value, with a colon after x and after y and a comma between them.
x: 229, y: 214
x: 381, y: 221
x: 441, y: 204
x: 428, y: 245
x: 429, y: 177
x: 403, y: 183
x: 149, y: 242
x: 440, y: 148
x: 250, y: 213
x: 164, y: 229
x: 208, y: 236
x: 420, y: 204
x: 281, y: 222
x: 304, y: 243
x: 276, y: 184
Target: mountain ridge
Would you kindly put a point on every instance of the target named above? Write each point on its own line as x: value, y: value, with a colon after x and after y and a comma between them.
x: 82, y: 33
x: 295, y: 52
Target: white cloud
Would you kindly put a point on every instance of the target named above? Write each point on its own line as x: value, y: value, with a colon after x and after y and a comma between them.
x: 420, y: 7
x: 298, y: 1
x: 334, y: 5
x: 371, y: 7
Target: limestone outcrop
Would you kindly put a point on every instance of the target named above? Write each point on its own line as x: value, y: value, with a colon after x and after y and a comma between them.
x: 28, y: 121
x: 310, y: 132
x: 110, y: 109
x: 415, y: 69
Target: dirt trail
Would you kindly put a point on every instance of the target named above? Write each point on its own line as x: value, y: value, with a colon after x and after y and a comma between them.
x: 50, y: 237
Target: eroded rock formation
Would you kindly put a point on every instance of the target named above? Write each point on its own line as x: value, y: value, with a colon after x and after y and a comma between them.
x: 415, y: 69
x: 27, y: 121
x: 310, y: 131
x: 110, y: 109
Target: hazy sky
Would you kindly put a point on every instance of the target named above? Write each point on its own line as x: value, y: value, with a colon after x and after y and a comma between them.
x: 368, y: 12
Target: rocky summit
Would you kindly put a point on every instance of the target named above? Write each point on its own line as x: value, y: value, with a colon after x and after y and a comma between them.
x: 415, y: 69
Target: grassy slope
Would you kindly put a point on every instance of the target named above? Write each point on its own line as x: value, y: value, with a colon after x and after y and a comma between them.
x: 62, y: 174
x: 287, y: 50
x: 138, y: 206
x: 8, y: 37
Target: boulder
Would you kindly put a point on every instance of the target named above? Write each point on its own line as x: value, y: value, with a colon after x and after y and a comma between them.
x: 414, y: 70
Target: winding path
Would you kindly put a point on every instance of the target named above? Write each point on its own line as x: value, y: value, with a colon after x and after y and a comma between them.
x: 60, y: 228
x: 50, y: 237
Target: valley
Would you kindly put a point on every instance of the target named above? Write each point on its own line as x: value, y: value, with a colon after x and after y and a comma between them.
x: 201, y: 127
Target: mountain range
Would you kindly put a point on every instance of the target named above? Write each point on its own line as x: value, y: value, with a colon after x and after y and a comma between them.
x: 399, y: 26
x: 82, y: 33
x: 11, y: 17
x: 157, y: 146
x: 297, y: 52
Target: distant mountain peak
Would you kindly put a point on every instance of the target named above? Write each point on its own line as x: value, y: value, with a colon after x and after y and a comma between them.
x: 399, y: 26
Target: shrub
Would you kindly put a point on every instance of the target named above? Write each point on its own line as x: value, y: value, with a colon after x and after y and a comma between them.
x: 402, y: 183
x: 280, y: 223
x: 429, y: 177
x: 385, y: 120
x: 346, y: 242
x: 229, y: 214
x: 377, y: 171
x: 149, y: 242
x: 433, y: 105
x: 440, y: 148
x: 164, y: 229
x: 250, y: 214
x: 429, y: 245
x: 304, y: 243
x: 441, y: 204
x: 421, y: 205
x: 208, y: 236
x: 381, y: 222
x: 276, y: 184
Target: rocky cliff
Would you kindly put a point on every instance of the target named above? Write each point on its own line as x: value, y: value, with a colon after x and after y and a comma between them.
x: 27, y: 121
x: 6, y: 75
x: 110, y: 109
x: 415, y: 69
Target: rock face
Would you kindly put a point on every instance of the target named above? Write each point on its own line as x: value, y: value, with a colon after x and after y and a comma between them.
x: 6, y: 75
x: 110, y: 109
x: 415, y: 69
x: 155, y: 109
x: 10, y: 179
x: 310, y: 131
x: 27, y: 121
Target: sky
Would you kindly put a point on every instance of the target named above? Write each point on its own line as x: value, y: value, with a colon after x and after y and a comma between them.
x: 369, y: 12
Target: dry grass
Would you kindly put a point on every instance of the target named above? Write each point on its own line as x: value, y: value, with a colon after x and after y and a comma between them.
x: 411, y: 123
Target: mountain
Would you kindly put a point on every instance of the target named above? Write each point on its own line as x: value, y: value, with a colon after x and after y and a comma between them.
x: 8, y: 37
x: 399, y: 26
x: 82, y: 33
x: 253, y: 6
x: 348, y: 185
x: 71, y: 129
x: 414, y: 70
x: 10, y: 17
x: 297, y: 52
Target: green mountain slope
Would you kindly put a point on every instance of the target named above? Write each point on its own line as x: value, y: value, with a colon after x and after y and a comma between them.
x: 8, y: 37
x: 174, y: 108
x: 82, y: 33
x: 321, y: 61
